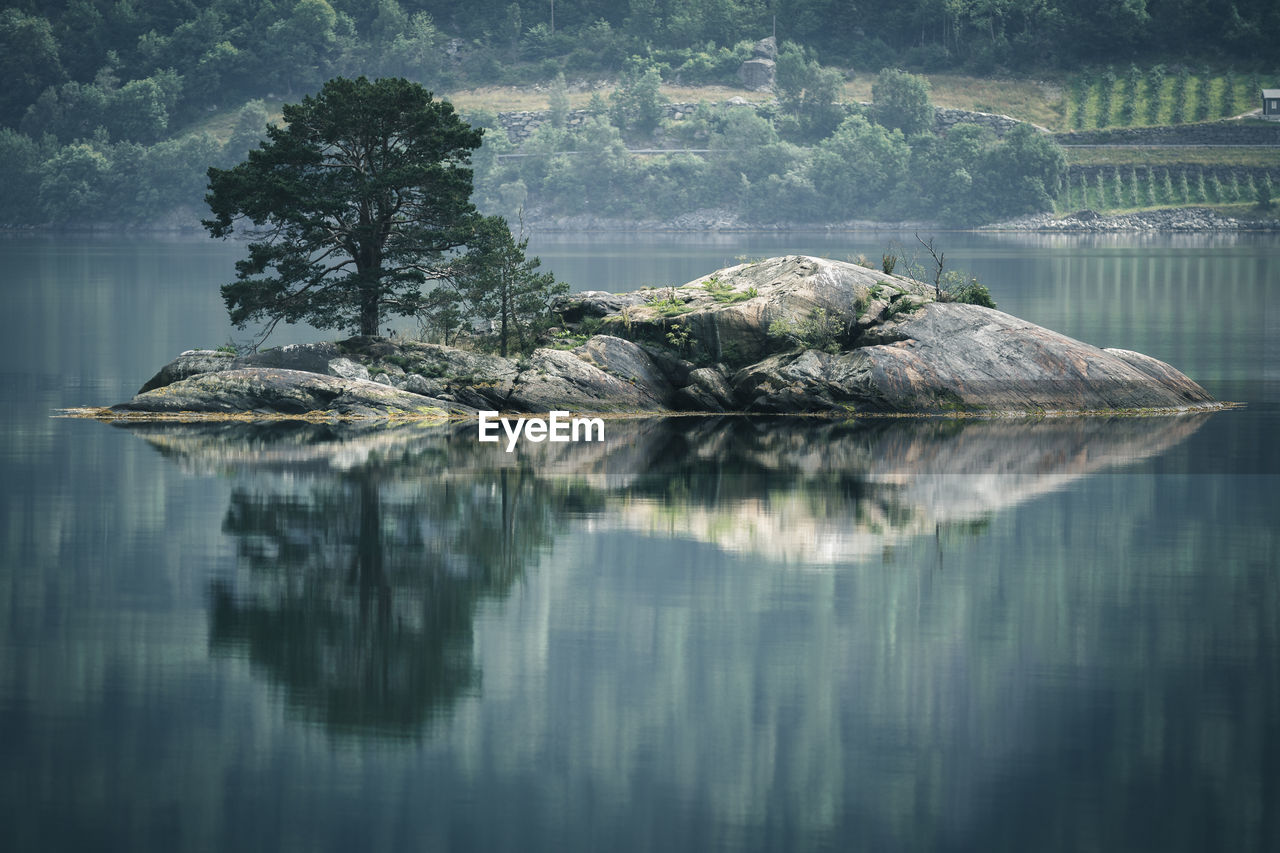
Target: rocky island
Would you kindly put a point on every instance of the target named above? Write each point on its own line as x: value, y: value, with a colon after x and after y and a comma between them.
x: 790, y: 334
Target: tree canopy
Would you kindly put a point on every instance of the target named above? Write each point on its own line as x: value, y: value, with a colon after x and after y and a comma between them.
x: 496, y: 283
x: 354, y: 201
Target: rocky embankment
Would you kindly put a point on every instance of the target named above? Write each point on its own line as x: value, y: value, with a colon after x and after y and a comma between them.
x: 785, y: 335
x: 1168, y: 220
x: 1174, y: 219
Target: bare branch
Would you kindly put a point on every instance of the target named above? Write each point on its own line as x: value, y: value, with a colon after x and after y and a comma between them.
x: 938, y: 259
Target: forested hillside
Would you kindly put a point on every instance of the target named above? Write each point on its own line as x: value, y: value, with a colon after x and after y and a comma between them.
x: 111, y: 110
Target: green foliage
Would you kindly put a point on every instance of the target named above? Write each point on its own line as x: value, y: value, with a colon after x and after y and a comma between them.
x: 144, y: 72
x: 1079, y: 100
x: 1106, y: 88
x: 817, y: 330
x: 681, y: 339
x: 667, y: 303
x: 901, y: 101
x: 361, y: 192
x: 807, y: 92
x: 1227, y: 99
x: 1179, y: 96
x: 857, y: 166
x: 1155, y: 88
x: 959, y: 286
x: 637, y: 104
x: 21, y: 160
x: 1129, y: 95
x: 497, y: 284
x: 1203, y: 95
x: 1264, y: 194
x: 724, y: 293
x: 705, y: 66
x: 559, y: 102
x: 74, y: 183
x: 29, y: 63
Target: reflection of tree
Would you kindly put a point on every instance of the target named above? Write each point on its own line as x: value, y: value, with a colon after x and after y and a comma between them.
x: 361, y: 591
x: 364, y: 551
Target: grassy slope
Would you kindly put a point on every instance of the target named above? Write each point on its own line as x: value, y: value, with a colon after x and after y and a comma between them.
x: 1051, y: 102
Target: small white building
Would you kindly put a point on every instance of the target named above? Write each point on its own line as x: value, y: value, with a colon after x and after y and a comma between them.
x: 1271, y: 104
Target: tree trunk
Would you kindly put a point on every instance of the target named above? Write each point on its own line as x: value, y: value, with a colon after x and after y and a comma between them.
x: 505, y: 302
x: 368, y: 311
x: 369, y: 265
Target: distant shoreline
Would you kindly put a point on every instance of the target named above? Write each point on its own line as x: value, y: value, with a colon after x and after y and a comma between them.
x: 1173, y: 220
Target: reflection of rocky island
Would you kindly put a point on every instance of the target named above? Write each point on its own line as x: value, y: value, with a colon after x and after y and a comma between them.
x: 785, y: 335
x: 364, y: 552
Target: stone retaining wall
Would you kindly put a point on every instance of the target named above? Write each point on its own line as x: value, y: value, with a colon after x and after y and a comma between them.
x: 521, y: 124
x: 1214, y: 133
x: 945, y: 119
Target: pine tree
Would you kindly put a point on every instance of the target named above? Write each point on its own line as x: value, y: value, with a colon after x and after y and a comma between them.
x: 1178, y: 113
x: 1129, y: 104
x: 1155, y: 89
x: 1166, y: 190
x: 1203, y: 95
x: 496, y: 283
x: 1227, y: 107
x: 1106, y: 87
x: 1184, y: 191
x: 1080, y: 91
x: 362, y: 190
x: 1265, y: 193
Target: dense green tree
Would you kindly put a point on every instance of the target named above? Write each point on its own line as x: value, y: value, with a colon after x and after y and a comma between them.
x: 355, y: 199
x: 637, y: 104
x: 1028, y: 169
x: 857, y: 166
x: 73, y: 184
x: 746, y: 145
x: 496, y: 283
x: 21, y: 158
x: 901, y: 100
x: 807, y: 92
x: 140, y: 109
x: 70, y: 111
x: 29, y: 63
x: 946, y: 175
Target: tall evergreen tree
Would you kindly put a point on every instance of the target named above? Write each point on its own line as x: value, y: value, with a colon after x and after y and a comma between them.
x: 354, y: 201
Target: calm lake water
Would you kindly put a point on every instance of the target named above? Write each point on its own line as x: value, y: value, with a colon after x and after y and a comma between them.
x: 703, y: 634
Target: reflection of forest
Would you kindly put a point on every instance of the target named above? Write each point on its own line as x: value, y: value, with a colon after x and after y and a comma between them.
x: 365, y: 553
x: 358, y: 592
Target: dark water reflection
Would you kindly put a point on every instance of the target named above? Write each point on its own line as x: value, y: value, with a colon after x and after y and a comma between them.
x: 362, y: 554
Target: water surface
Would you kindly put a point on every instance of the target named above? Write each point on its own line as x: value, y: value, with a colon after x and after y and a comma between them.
x: 734, y: 633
